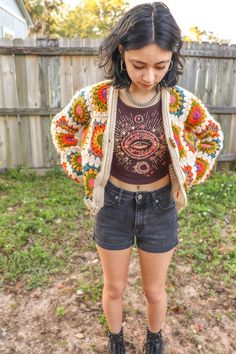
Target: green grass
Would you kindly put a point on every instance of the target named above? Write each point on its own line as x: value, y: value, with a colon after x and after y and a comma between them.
x: 39, y: 228
x: 103, y: 322
x: 92, y: 292
x: 38, y: 225
x: 60, y: 311
x: 207, y: 227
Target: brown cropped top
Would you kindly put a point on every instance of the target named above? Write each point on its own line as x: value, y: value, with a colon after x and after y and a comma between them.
x: 141, y: 153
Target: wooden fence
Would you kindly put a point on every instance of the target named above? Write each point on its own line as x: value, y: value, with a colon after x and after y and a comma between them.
x: 38, y: 78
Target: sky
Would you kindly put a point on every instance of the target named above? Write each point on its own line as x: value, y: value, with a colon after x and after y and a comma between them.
x: 209, y: 15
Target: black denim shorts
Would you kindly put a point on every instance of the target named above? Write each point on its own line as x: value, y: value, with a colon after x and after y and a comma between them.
x: 150, y: 218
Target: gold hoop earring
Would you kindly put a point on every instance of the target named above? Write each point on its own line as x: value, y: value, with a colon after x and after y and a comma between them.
x: 171, y: 66
x: 121, y: 66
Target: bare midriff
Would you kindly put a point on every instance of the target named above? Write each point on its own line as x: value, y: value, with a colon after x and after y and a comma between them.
x: 141, y: 187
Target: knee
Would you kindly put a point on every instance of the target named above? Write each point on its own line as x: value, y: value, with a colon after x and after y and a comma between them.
x: 114, y: 291
x: 154, y: 295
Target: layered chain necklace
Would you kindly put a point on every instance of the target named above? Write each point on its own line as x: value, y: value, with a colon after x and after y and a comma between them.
x: 156, y: 97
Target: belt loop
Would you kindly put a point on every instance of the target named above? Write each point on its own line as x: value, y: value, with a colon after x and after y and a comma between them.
x: 153, y: 195
x: 120, y: 195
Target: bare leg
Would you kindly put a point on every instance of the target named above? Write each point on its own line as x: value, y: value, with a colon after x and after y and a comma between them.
x: 115, y: 266
x: 154, y: 268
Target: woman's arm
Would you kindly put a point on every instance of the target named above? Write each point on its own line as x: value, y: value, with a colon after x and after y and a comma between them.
x: 208, y: 138
x: 67, y: 130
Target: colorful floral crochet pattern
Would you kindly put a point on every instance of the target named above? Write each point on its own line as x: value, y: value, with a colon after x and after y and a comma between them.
x: 99, y: 94
x: 84, y: 135
x: 189, y: 140
x: 97, y: 138
x: 89, y: 180
x: 202, y: 167
x: 78, y: 111
x: 210, y: 131
x: 209, y: 139
x: 196, y: 116
x: 208, y: 147
x: 176, y: 101
x: 176, y: 131
x: 188, y: 175
x: 66, y: 140
x: 71, y: 162
x: 75, y: 160
x: 63, y: 124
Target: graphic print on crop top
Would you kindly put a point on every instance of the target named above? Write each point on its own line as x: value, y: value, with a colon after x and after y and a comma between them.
x: 141, y: 153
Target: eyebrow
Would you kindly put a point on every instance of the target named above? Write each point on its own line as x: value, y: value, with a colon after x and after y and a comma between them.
x: 159, y: 62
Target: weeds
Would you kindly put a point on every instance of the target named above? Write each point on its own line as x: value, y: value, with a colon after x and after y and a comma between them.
x: 41, y: 216
x: 38, y: 224
x: 92, y: 292
x: 103, y: 321
x: 207, y: 227
x: 60, y: 311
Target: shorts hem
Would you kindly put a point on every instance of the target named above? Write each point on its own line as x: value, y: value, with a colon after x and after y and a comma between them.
x: 116, y: 247
x: 160, y: 250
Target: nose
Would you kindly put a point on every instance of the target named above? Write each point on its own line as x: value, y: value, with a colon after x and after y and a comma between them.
x: 149, y: 77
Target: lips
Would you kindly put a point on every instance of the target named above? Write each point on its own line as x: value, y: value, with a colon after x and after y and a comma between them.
x: 148, y: 85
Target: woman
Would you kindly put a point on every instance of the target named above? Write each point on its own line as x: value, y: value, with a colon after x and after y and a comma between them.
x: 138, y: 142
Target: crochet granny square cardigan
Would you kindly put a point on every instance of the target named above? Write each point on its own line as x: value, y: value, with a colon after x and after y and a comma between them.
x: 83, y: 134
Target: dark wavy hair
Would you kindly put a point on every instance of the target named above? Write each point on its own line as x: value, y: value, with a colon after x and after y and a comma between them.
x: 142, y: 25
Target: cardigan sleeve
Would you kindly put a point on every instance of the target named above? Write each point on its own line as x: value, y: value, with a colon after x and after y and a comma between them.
x: 208, y: 138
x: 67, y: 129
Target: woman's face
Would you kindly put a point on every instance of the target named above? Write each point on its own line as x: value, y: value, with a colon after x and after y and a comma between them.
x: 146, y: 66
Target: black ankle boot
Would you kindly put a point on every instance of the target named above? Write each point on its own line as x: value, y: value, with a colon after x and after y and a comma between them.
x: 154, y: 343
x: 116, y: 343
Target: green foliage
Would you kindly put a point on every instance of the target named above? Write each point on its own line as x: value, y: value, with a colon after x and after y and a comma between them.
x: 198, y: 35
x: 103, y: 322
x: 92, y: 20
x: 60, y: 311
x: 63, y: 343
x: 92, y: 292
x: 93, y: 347
x: 45, y: 15
x: 21, y: 174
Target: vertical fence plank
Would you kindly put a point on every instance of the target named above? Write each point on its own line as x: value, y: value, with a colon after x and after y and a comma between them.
x: 78, y: 67
x: 4, y: 142
x: 191, y: 68
x: 202, y: 77
x: 66, y: 85
x: 4, y: 150
x: 34, y: 95
x: 9, y: 100
x: 54, y: 102
x: 22, y: 99
x: 210, y: 93
x: 225, y: 123
x: 232, y: 135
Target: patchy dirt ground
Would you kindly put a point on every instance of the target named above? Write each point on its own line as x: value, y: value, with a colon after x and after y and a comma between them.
x: 199, y: 317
